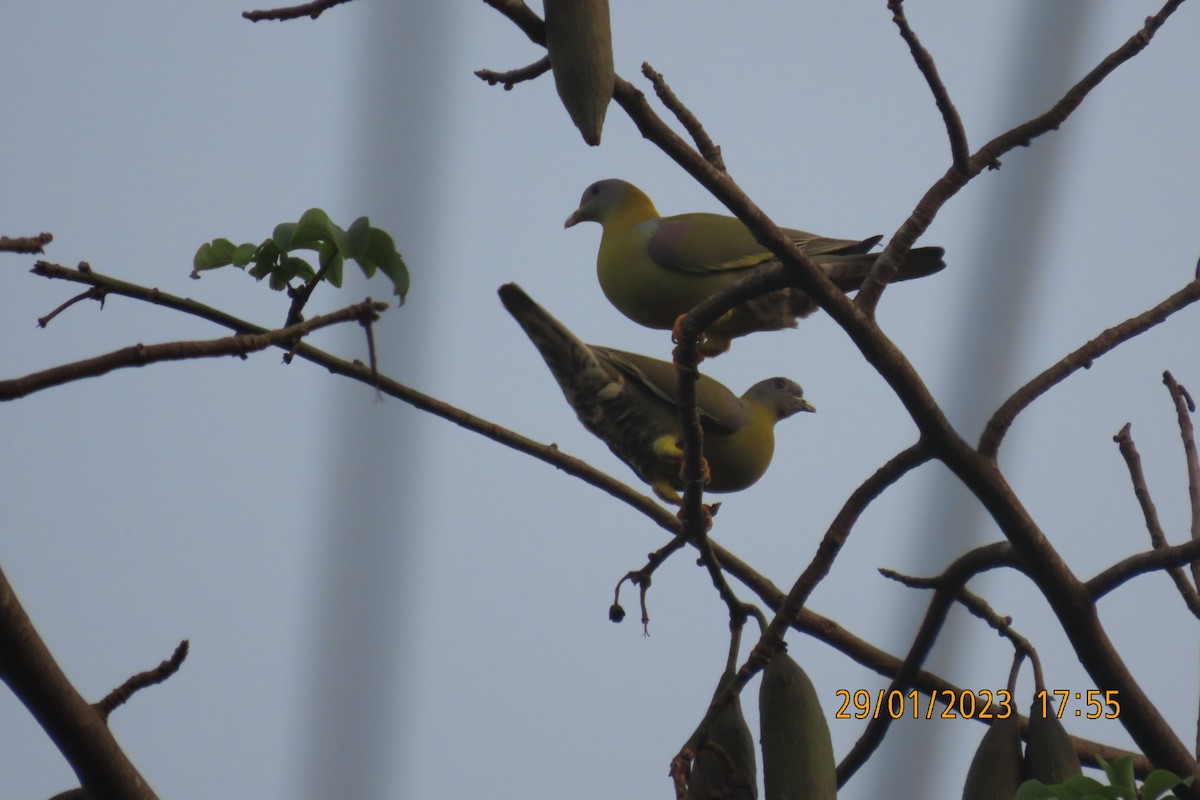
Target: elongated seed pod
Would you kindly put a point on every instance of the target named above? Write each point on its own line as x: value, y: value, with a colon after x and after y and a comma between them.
x: 732, y: 773
x: 797, y: 750
x: 1049, y: 755
x: 995, y: 771
x: 579, y: 40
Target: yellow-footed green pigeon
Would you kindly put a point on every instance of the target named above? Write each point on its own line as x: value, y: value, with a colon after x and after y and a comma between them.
x: 629, y: 401
x: 655, y: 269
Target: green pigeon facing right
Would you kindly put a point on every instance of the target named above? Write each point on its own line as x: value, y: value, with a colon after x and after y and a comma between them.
x: 656, y: 269
x: 630, y: 402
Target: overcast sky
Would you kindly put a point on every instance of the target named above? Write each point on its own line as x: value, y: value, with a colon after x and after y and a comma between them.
x: 381, y: 604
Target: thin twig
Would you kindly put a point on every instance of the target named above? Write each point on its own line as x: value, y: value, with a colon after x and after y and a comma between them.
x: 838, y: 532
x: 947, y: 587
x: 788, y: 608
x: 988, y: 156
x: 514, y: 76
x: 523, y: 17
x: 1082, y: 358
x: 25, y: 244
x: 1140, y: 564
x: 1158, y: 539
x: 1184, y: 408
x: 548, y: 453
x: 139, y: 355
x: 311, y: 10
x: 959, y: 150
x: 126, y: 690
x: 91, y: 294
x: 872, y: 658
x: 706, y: 146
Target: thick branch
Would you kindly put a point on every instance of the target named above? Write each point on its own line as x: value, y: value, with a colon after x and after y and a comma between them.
x: 75, y: 726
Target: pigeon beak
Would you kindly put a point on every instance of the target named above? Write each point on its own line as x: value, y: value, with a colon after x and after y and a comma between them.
x: 804, y: 405
x: 574, y: 219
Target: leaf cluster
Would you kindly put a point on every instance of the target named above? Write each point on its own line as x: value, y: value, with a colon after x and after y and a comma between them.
x: 1120, y: 786
x: 371, y: 248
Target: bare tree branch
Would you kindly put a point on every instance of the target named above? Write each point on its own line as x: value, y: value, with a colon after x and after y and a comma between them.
x: 710, y: 151
x: 364, y: 374
x: 1158, y: 539
x: 139, y: 355
x: 1066, y: 594
x: 1140, y: 564
x: 959, y: 150
x: 25, y: 244
x: 988, y: 157
x: 75, y: 726
x: 948, y: 586
x: 136, y: 683
x: 870, y: 657
x: 785, y: 611
x: 513, y: 77
x: 523, y: 17
x: 1082, y: 358
x: 311, y: 10
x: 1184, y: 408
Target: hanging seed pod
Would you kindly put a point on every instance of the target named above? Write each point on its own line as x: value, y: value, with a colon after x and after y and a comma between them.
x: 732, y: 773
x: 579, y: 40
x: 797, y: 750
x: 1049, y: 755
x: 995, y: 771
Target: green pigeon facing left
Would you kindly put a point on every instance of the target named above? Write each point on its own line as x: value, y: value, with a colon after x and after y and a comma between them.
x: 630, y: 402
x: 656, y: 269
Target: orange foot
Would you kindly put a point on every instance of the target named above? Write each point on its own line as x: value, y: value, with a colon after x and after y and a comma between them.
x: 706, y: 511
x: 705, y: 472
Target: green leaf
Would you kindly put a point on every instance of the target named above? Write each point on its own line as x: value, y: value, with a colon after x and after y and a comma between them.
x: 1079, y: 787
x: 279, y: 278
x: 313, y: 228
x: 373, y: 250
x: 210, y: 255
x: 381, y: 251
x: 282, y: 235
x: 357, y: 235
x: 243, y: 255
x: 333, y: 271
x: 301, y: 269
x: 326, y: 252
x: 1120, y: 772
x: 1160, y: 781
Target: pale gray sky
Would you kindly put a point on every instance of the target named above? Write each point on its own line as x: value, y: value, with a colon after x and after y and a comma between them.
x: 298, y: 531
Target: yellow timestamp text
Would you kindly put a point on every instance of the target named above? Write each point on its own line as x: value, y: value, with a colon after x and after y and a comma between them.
x: 1096, y: 704
x: 893, y: 703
